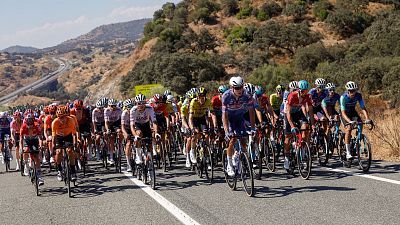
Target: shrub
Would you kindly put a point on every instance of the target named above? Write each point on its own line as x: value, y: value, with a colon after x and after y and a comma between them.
x: 246, y: 10
x: 270, y: 76
x: 347, y: 22
x: 321, y: 9
x: 229, y: 7
x: 306, y: 59
x: 240, y: 35
x: 297, y: 10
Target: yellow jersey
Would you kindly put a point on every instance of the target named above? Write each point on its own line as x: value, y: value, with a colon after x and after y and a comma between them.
x: 199, y: 110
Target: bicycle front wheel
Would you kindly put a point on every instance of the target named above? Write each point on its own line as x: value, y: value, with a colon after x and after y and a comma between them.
x: 322, y: 150
x: 231, y: 181
x: 364, y: 154
x: 247, y: 174
x: 304, y: 160
x: 151, y: 171
x: 269, y: 152
x: 208, y: 165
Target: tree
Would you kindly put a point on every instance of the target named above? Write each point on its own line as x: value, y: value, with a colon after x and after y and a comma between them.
x: 229, y: 7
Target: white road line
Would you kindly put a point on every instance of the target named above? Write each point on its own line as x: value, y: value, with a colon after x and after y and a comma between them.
x: 365, y: 175
x: 175, y: 211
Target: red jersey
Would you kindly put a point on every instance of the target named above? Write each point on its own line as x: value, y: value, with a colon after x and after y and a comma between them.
x: 31, y: 131
x: 47, y: 121
x: 295, y: 101
x: 82, y: 115
x: 263, y: 101
x: 160, y: 109
x: 216, y: 103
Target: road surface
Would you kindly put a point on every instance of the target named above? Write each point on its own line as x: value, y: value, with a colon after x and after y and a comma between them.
x: 332, y: 195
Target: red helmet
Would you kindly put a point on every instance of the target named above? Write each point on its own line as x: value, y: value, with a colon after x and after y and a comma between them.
x: 52, y: 109
x: 78, y: 104
x: 46, y: 110
x: 28, y: 111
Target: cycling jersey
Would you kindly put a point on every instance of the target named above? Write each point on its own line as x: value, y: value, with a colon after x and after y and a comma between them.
x: 65, y: 128
x: 111, y: 115
x: 261, y: 102
x: 82, y: 115
x: 275, y: 101
x: 296, y: 101
x: 236, y: 107
x: 48, y: 120
x: 199, y: 110
x: 185, y: 111
x: 98, y: 116
x: 160, y: 109
x: 5, y: 123
x: 216, y: 105
x: 137, y: 117
x: 125, y: 118
x: 349, y: 104
x: 330, y: 102
x: 316, y: 97
x: 15, y: 126
x: 30, y: 131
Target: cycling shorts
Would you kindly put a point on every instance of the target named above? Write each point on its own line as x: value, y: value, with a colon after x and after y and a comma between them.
x: 200, y: 123
x: 99, y: 127
x: 353, y: 115
x: 3, y: 133
x: 63, y: 141
x: 114, y: 126
x: 161, y: 123
x: 31, y: 145
x: 237, y: 126
x: 298, y: 119
x: 145, y: 129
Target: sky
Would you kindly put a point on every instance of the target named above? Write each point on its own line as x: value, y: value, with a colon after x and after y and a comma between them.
x: 46, y: 23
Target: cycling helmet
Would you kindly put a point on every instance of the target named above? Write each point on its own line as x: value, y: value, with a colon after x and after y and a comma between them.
x: 202, y: 92
x: 293, y: 85
x: 250, y: 88
x: 17, y: 114
x: 29, y: 119
x: 62, y: 111
x: 222, y: 89
x: 351, y: 86
x: 28, y: 111
x: 112, y: 102
x: 170, y: 98
x: 167, y: 92
x: 120, y: 104
x: 236, y: 81
x: 52, y: 109
x: 46, y: 110
x: 128, y: 103
x: 280, y: 88
x: 191, y: 95
x: 320, y: 82
x: 259, y: 90
x: 157, y: 98
x: 303, y: 85
x: 140, y: 98
x: 330, y: 86
x: 78, y: 104
x: 3, y: 115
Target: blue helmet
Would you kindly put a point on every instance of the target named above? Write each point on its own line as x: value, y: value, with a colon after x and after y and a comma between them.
x: 259, y: 90
x: 222, y: 89
x: 303, y: 85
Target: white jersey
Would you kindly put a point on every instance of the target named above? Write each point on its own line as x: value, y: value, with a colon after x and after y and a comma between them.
x: 97, y: 116
x: 142, y: 117
x: 125, y: 118
x: 112, y: 115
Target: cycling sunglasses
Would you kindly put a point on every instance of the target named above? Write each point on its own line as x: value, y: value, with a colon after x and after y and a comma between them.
x: 238, y: 88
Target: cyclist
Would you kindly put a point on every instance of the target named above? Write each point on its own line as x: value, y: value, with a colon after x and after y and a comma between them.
x: 98, y: 124
x: 276, y: 100
x: 348, y: 102
x: 216, y: 112
x: 15, y: 135
x: 185, y: 125
x: 112, y: 118
x: 235, y: 103
x: 29, y: 139
x: 329, y: 103
x: 318, y: 94
x: 126, y: 131
x: 5, y: 129
x: 82, y: 115
x: 161, y: 113
x: 42, y: 141
x: 298, y: 103
x: 199, y: 108
x: 47, y: 129
x: 63, y: 128
x: 263, y: 108
x: 142, y: 117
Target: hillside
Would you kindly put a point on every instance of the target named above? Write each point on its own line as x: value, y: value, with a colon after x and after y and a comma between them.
x: 20, y: 49
x: 104, y: 36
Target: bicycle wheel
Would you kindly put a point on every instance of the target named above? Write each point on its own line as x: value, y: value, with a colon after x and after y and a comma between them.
x: 304, y: 160
x: 151, y: 171
x: 256, y: 159
x: 231, y: 181
x: 247, y: 174
x: 364, y: 154
x: 269, y: 152
x: 208, y: 165
x: 322, y: 150
x: 67, y: 173
x: 7, y: 158
x: 35, y: 179
x: 164, y: 156
x: 21, y: 163
x: 118, y: 153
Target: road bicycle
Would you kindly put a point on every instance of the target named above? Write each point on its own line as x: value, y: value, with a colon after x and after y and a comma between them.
x: 300, y: 156
x: 319, y: 144
x: 204, y: 163
x: 146, y: 170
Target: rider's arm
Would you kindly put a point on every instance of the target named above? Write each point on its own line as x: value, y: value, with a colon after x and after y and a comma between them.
x: 252, y: 117
x: 259, y: 115
x: 225, y: 121
x: 324, y: 107
x: 363, y: 108
x: 289, y: 116
x: 343, y: 109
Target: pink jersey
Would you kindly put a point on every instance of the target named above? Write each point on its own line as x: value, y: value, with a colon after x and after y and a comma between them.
x: 15, y: 127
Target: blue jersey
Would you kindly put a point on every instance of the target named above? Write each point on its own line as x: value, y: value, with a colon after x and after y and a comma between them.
x: 236, y: 107
x: 349, y: 104
x: 331, y: 101
x: 316, y: 98
x: 5, y: 123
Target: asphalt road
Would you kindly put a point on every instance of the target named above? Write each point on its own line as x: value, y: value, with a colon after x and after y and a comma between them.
x: 105, y: 197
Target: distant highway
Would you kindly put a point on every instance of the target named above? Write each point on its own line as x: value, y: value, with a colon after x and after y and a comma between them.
x: 63, y: 66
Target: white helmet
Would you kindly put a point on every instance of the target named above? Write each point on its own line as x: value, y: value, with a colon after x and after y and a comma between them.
x: 330, y: 86
x: 167, y: 92
x: 250, y: 88
x: 236, y: 81
x: 140, y: 98
x: 128, y: 103
x: 320, y: 82
x: 170, y: 98
x: 3, y: 115
x: 351, y: 86
x: 294, y: 85
x: 112, y: 102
